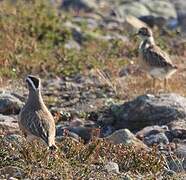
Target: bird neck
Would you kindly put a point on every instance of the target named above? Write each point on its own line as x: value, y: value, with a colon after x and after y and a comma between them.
x: 151, y: 40
x: 35, y: 98
x: 147, y: 42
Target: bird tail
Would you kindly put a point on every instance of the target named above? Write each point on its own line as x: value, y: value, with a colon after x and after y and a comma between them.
x: 51, y: 143
x: 53, y: 147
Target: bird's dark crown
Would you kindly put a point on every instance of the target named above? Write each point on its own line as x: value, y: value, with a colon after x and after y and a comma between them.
x: 144, y: 31
x: 33, y: 81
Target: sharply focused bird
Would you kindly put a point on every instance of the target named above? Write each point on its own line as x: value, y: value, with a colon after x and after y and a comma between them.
x: 152, y: 59
x: 35, y: 120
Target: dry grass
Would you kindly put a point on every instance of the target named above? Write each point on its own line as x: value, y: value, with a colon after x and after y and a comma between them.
x: 75, y: 159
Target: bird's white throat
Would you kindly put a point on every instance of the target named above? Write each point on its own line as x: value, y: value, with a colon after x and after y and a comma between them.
x: 147, y: 41
x: 151, y: 40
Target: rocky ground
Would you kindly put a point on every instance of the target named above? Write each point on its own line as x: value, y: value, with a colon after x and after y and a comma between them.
x: 109, y: 124
x: 85, y: 108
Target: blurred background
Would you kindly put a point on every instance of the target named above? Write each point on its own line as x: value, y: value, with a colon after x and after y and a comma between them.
x: 89, y: 38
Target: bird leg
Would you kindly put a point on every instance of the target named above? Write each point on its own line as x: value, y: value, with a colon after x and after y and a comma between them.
x: 154, y: 83
x: 153, y: 86
x: 165, y: 84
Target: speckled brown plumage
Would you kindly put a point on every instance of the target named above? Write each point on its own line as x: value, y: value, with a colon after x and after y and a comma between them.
x: 152, y: 59
x: 35, y: 120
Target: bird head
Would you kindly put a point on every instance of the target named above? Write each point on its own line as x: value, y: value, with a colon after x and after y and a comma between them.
x: 33, y: 83
x: 144, y: 33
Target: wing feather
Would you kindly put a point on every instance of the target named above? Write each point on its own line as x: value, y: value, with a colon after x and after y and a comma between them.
x: 38, y: 124
x: 155, y: 57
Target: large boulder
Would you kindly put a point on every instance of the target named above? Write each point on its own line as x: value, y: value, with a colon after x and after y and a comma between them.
x: 158, y: 8
x: 161, y: 8
x: 148, y: 110
x: 136, y: 9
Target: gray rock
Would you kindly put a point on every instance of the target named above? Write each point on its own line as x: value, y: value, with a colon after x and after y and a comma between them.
x: 161, y: 8
x: 86, y: 5
x: 136, y: 9
x: 9, y: 104
x: 160, y: 134
x: 71, y: 44
x: 124, y: 136
x: 148, y: 110
x: 159, y: 21
x: 149, y: 130
x: 62, y: 132
x: 159, y: 138
x: 159, y: 12
x: 180, y: 6
x: 112, y: 167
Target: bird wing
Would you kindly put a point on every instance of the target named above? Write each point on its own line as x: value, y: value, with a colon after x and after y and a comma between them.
x: 38, y: 123
x: 155, y: 57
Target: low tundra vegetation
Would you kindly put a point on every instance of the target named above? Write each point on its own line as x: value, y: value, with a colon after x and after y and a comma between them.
x: 74, y: 159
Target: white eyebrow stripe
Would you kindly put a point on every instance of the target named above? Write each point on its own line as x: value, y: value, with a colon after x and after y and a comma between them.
x: 31, y: 82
